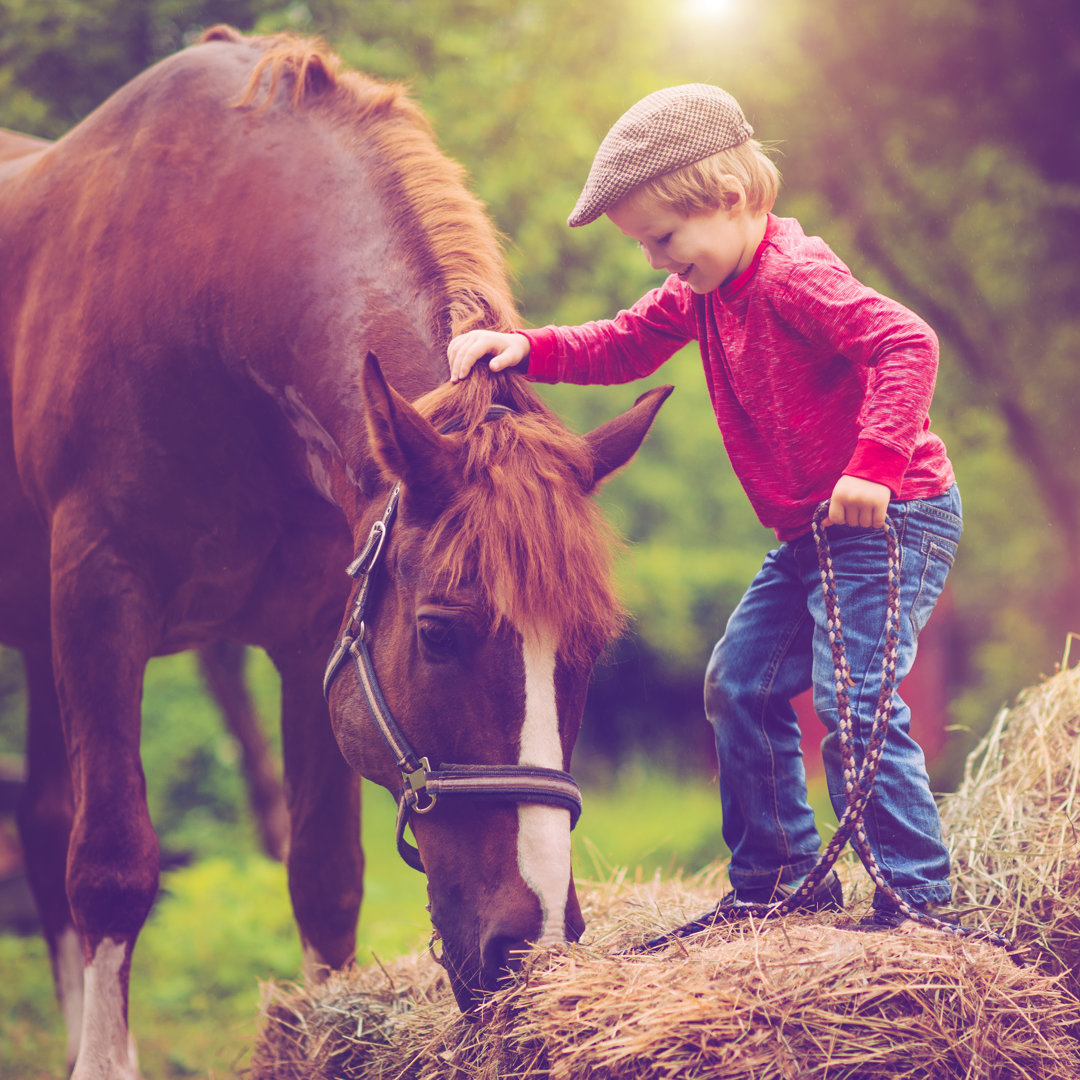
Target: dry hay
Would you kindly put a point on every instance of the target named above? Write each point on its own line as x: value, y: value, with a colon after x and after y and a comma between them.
x: 793, y: 998
x: 1012, y: 825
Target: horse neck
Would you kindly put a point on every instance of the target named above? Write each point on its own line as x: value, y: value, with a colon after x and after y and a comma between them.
x: 325, y: 412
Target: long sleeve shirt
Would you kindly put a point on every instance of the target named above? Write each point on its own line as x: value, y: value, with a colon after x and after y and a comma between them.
x: 811, y: 374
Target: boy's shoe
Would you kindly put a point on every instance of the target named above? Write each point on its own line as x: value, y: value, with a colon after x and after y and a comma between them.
x: 828, y: 896
x: 890, y: 917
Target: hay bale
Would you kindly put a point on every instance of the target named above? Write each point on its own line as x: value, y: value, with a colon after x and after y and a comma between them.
x: 785, y: 999
x: 1012, y: 825
x: 357, y: 1023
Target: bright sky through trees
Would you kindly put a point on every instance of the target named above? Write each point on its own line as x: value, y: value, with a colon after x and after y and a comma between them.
x: 710, y: 10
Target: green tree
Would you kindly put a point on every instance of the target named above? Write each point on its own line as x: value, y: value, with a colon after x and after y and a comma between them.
x: 936, y: 145
x: 932, y: 144
x: 59, y: 59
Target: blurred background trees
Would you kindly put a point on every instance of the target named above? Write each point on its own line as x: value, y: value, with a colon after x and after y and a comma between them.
x: 933, y: 144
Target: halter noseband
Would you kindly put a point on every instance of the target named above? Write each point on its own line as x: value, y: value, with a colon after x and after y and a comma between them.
x: 421, y: 785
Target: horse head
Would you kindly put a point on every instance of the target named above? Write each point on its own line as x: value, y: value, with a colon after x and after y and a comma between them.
x: 483, y: 599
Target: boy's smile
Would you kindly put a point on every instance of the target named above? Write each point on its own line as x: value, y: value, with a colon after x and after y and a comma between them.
x: 704, y: 250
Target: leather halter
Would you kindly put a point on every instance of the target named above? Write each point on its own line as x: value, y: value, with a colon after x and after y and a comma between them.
x: 421, y: 785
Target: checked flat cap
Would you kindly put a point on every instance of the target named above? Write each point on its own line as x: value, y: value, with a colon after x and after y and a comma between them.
x: 665, y: 131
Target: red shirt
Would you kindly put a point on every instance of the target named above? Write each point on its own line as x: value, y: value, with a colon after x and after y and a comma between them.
x: 811, y: 374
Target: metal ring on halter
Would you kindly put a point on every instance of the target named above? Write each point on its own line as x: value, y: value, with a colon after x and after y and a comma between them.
x: 435, y: 936
x: 413, y: 783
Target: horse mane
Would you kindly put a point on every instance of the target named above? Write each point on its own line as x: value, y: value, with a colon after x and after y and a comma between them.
x: 453, y: 241
x: 524, y: 523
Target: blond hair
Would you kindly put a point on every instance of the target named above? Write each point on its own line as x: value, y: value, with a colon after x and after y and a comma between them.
x: 715, y: 182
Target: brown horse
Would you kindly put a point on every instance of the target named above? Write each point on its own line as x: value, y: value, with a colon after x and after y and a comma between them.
x: 221, y: 662
x: 196, y: 442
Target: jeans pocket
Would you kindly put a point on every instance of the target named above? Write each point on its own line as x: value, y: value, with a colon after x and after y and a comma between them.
x: 937, y: 556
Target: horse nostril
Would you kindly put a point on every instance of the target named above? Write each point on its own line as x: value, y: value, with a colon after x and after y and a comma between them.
x: 503, y: 954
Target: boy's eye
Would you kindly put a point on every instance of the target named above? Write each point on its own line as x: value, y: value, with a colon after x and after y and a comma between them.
x: 664, y: 239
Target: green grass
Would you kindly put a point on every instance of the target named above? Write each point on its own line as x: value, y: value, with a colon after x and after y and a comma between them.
x: 222, y: 924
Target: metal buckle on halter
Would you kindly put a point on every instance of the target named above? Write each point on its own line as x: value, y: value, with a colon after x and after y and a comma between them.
x: 367, y: 558
x: 416, y: 782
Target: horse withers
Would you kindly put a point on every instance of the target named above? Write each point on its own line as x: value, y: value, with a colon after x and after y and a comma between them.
x: 196, y: 439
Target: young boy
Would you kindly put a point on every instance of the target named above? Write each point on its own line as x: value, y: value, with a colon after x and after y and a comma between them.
x: 821, y: 389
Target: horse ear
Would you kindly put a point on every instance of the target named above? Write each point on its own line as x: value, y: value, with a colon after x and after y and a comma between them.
x: 407, y: 446
x: 613, y: 444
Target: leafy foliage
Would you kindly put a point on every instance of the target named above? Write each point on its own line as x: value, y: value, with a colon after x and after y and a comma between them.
x: 932, y: 143
x: 970, y: 214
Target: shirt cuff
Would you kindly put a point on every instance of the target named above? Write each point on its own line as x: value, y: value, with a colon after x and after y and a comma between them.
x: 877, y: 463
x: 540, y: 365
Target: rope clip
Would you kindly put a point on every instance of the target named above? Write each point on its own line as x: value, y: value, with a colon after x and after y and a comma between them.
x: 416, y: 782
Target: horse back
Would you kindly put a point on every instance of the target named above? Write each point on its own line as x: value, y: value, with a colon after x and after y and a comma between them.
x: 153, y: 257
x: 14, y: 144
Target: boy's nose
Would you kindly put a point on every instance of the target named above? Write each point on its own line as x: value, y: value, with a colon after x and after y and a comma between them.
x: 654, y: 259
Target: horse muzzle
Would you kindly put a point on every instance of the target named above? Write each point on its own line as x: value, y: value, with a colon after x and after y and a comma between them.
x: 480, y: 960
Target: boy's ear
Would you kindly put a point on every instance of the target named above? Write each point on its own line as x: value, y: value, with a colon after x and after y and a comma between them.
x: 733, y: 196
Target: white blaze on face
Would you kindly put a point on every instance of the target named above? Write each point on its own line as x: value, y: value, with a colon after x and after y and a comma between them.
x: 106, y: 1048
x: 543, y: 831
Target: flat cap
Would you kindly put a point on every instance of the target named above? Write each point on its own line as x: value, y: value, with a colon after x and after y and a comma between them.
x: 665, y: 131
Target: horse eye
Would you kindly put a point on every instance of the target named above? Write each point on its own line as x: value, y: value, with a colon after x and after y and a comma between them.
x: 436, y: 634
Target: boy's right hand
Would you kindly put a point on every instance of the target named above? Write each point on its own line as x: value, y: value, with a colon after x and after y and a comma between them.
x: 505, y: 351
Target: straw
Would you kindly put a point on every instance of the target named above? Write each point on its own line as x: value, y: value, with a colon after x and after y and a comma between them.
x: 784, y: 999
x: 794, y: 998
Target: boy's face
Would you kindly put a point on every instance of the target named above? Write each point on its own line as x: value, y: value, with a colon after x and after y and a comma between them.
x: 704, y: 250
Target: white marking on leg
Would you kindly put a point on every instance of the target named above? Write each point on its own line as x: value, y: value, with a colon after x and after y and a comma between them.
x: 68, y: 974
x: 106, y: 1049
x: 543, y: 831
x: 313, y: 964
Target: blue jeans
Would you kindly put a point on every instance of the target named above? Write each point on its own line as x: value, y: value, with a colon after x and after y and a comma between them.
x: 775, y: 647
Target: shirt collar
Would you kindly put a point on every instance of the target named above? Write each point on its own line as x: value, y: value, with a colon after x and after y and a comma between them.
x: 730, y: 288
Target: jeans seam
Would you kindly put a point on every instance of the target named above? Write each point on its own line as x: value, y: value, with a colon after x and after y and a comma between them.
x: 767, y: 686
x: 927, y: 507
x: 929, y: 549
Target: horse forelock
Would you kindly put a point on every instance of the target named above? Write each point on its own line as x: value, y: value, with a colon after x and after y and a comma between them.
x: 454, y: 241
x: 523, y: 525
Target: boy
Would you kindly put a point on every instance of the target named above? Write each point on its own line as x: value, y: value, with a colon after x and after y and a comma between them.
x: 821, y: 389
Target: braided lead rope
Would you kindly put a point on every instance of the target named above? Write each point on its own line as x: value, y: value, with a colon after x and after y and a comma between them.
x: 858, y: 783
x: 858, y: 786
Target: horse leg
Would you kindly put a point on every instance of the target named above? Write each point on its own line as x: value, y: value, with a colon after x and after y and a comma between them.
x: 325, y: 863
x: 222, y: 665
x: 103, y: 626
x: 44, y: 819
